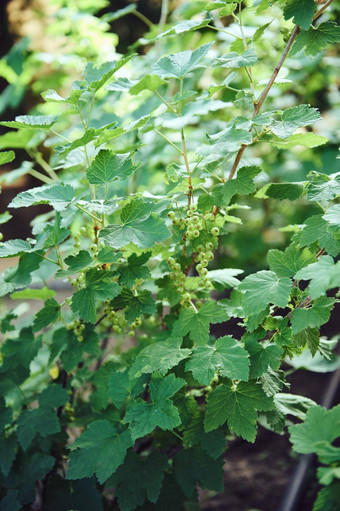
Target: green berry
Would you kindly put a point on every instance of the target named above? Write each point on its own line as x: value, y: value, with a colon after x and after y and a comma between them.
x: 131, y: 333
x: 93, y: 247
x: 204, y: 272
x: 199, y: 268
x: 215, y: 231
x: 209, y: 255
x: 1, y: 236
x: 193, y: 207
x: 209, y: 246
x: 171, y: 215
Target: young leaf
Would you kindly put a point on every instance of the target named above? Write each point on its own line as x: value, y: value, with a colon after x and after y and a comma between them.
x: 13, y: 248
x: 53, y: 396
x: 294, y: 118
x: 184, y: 26
x: 31, y: 121
x: 59, y: 196
x: 96, y: 77
x: 313, y: 41
x: 134, y: 269
x: 8, y: 446
x: 323, y: 187
x: 243, y: 184
x: 196, y: 322
x: 263, y: 288
x: 108, y: 166
x: 235, y: 61
x: 139, y: 479
x: 238, y: 406
x: 302, y: 11
x: 50, y: 313
x: 148, y: 82
x: 227, y: 358
x: 160, y: 357
x: 6, y: 157
x: 316, y: 230
x: 145, y: 417
x: 135, y: 304
x: 139, y: 226
x: 323, y: 274
x: 332, y: 215
x: 76, y: 263
x: 33, y: 294
x: 287, y: 263
x: 177, y: 65
x: 282, y: 191
x: 100, y: 450
x: 317, y: 433
x: 263, y: 356
x: 312, y: 317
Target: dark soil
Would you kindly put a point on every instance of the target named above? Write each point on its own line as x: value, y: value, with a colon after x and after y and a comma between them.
x: 256, y: 476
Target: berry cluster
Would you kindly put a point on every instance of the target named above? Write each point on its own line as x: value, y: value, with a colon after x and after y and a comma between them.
x: 78, y: 328
x: 176, y: 274
x: 204, y: 256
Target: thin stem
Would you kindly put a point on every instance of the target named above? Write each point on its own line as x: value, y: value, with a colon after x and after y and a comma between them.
x: 143, y: 18
x: 40, y: 176
x: 166, y: 103
x: 169, y: 141
x: 38, y: 158
x: 267, y: 88
x: 225, y: 31
x: 59, y: 258
x: 186, y: 161
x: 47, y: 259
x: 87, y: 212
x: 61, y: 136
x: 193, y: 306
x: 245, y: 44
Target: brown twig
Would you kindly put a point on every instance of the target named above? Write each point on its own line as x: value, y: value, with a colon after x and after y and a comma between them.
x: 267, y: 88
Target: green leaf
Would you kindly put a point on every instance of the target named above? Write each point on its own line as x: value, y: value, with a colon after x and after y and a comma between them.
x: 317, y: 433
x: 262, y: 356
x: 238, y: 405
x: 53, y: 396
x: 235, y: 61
x: 121, y: 386
x: 302, y: 11
x: 113, y: 16
x: 184, y: 26
x: 323, y: 187
x: 134, y: 269
x: 160, y: 357
x: 196, y: 322
x: 225, y: 277
x: 6, y: 157
x: 5, y: 217
x: 33, y: 294
x: 148, y: 82
x: 282, y: 191
x: 76, y: 263
x: 313, y: 41
x: 294, y: 118
x: 293, y: 404
x: 31, y: 121
x: 316, y: 230
x: 243, y: 184
x: 332, y: 215
x: 50, y: 313
x: 194, y: 466
x: 139, y: 479
x: 96, y: 77
x: 58, y: 196
x: 139, y: 226
x: 145, y: 417
x: 21, y: 351
x: 5, y: 414
x: 314, y: 316
x: 263, y: 288
x: 8, y: 446
x: 98, y: 286
x: 100, y: 450
x: 287, y: 263
x: 177, y: 65
x: 308, y: 337
x: 39, y: 420
x: 108, y: 166
x: 13, y: 248
x: 135, y: 304
x: 304, y: 139
x: 10, y: 502
x: 227, y: 358
x: 328, y: 497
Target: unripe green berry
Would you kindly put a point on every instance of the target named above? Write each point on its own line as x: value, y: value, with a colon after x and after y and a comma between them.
x: 1, y: 236
x: 199, y: 268
x: 209, y: 245
x: 196, y: 234
x: 204, y: 272
x: 93, y: 247
x: 83, y: 230
x: 215, y: 231
x: 209, y: 255
x: 131, y: 333
x: 193, y: 207
x: 171, y: 215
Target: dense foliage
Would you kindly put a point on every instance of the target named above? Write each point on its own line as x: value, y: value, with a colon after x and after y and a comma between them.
x: 171, y: 173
